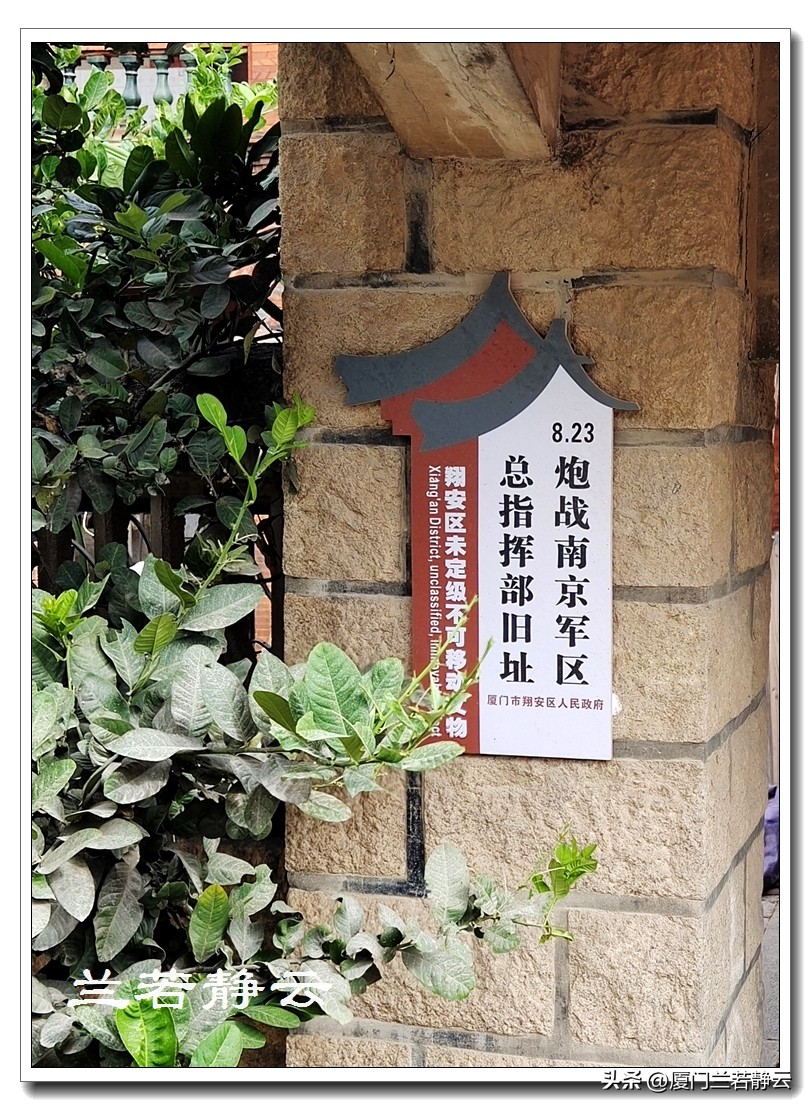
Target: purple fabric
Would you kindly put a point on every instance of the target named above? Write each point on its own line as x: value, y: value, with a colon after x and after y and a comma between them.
x: 771, y: 848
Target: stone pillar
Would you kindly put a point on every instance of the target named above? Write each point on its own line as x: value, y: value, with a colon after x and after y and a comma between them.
x: 635, y: 234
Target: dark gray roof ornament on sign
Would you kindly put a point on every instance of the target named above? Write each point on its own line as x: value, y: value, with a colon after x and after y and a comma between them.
x: 519, y: 364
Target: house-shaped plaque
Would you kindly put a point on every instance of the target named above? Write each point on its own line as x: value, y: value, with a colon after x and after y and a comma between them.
x: 511, y: 495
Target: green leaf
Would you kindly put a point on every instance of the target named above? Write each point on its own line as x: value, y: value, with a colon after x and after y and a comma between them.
x: 221, y: 606
x: 273, y: 1015
x: 236, y: 442
x: 106, y: 361
x: 117, y: 833
x: 73, y: 267
x: 222, y: 1048
x: 448, y: 974
x: 335, y: 690
x: 285, y: 427
x: 188, y: 704
x: 150, y: 745
x: 60, y: 114
x: 119, y: 912
x: 148, y: 1033
x: 160, y: 631
x: 275, y: 709
x: 160, y: 352
x: 119, y: 647
x: 429, y: 756
x: 348, y: 918
x: 357, y: 780
x: 448, y: 883
x: 212, y: 410
x: 153, y: 597
x: 135, y: 782
x: 179, y: 155
x: 74, y: 887
x: 213, y: 366
x: 214, y: 302
x: 53, y: 776
x: 89, y: 593
x: 325, y: 807
x: 69, y: 414
x: 222, y: 868
x: 208, y: 921
x: 245, y: 935
x: 384, y: 681
x: 70, y: 846
x: 66, y: 505
x: 98, y: 487
x: 174, y: 200
x: 94, y: 90
x: 137, y: 162
x: 227, y: 702
x: 251, y: 1038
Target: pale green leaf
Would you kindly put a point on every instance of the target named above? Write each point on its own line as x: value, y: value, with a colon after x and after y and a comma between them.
x: 227, y: 702
x: 448, y: 882
x: 119, y: 912
x: 448, y: 974
x: 222, y: 1048
x: 53, y: 775
x: 430, y: 756
x: 135, y: 781
x: 150, y: 745
x: 74, y: 887
x: 325, y: 807
x: 221, y: 606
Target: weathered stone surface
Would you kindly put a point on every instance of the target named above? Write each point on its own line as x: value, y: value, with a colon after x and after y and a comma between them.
x: 441, y: 1056
x: 675, y: 350
x: 638, y: 981
x: 748, y: 780
x: 755, y: 405
x: 753, y: 473
x: 347, y: 522
x: 321, y: 324
x: 754, y: 893
x: 367, y: 626
x: 603, y: 80
x: 719, y: 1053
x: 308, y: 1051
x: 744, y: 1029
x: 664, y: 694
x: 344, y: 203
x: 654, y: 821
x: 672, y: 515
x: 319, y: 80
x: 738, y: 661
x: 678, y: 187
x: 371, y: 842
x: 514, y: 994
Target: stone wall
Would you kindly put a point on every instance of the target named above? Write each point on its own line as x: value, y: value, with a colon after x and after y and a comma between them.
x: 637, y: 235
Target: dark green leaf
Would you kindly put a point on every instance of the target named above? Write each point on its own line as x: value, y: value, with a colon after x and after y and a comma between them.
x: 179, y: 155
x: 161, y: 352
x: 137, y: 162
x: 213, y: 366
x: 106, y: 361
x: 276, y: 708
x: 98, y: 487
x: 69, y: 413
x: 214, y: 301
x: 60, y: 114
